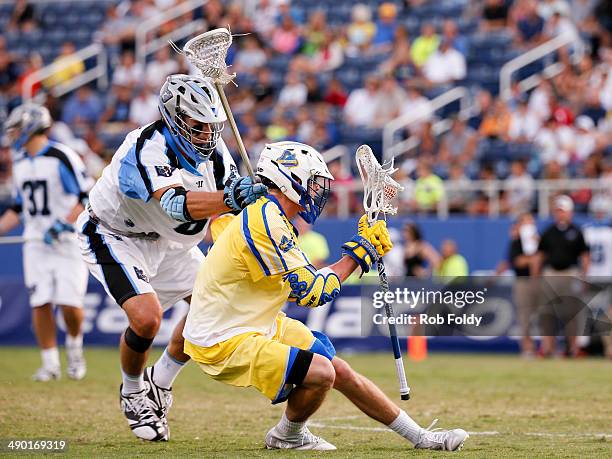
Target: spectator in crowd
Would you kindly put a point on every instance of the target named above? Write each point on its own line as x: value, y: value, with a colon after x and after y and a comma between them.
x: 399, y: 62
x: 480, y: 202
x: 128, y: 72
x: 251, y: 57
x: 521, y: 256
x: 361, y: 30
x: 459, y: 143
x: 6, y: 170
x: 360, y: 108
x: 23, y: 17
x: 428, y: 189
x: 314, y: 33
x: 143, y: 108
x: 452, y: 264
x: 264, y: 21
x: 420, y: 257
x: 263, y: 90
x: 519, y: 190
x: 548, y: 8
x: 529, y: 28
x: 562, y: 256
x: 524, y: 124
x: 385, y: 28
x: 336, y: 94
x: 586, y: 138
x: 496, y: 122
x: 389, y: 102
x: 286, y: 37
x: 313, y: 244
x: 294, y: 93
x: 33, y: 64
x: 117, y: 110
x: 445, y: 66
x: 417, y: 105
x: 458, y: 192
x: 424, y: 45
x: 160, y: 68
x: 328, y: 57
x: 450, y: 33
x: 494, y: 15
x: 82, y: 109
x: 67, y: 64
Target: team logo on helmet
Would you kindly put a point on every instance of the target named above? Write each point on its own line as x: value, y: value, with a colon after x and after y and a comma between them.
x: 287, y: 159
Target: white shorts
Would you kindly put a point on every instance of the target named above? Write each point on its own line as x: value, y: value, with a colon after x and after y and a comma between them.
x: 127, y: 267
x: 54, y: 274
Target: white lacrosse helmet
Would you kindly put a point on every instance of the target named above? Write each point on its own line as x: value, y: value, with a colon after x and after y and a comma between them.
x: 25, y: 121
x: 300, y: 173
x: 191, y: 108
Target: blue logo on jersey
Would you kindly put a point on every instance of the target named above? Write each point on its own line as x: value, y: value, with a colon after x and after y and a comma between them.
x: 286, y: 244
x: 140, y: 274
x: 164, y: 171
x: 287, y: 159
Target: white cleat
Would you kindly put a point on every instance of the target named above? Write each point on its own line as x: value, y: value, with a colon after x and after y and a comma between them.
x: 139, y: 411
x: 306, y: 441
x: 44, y: 374
x: 77, y: 367
x: 442, y: 440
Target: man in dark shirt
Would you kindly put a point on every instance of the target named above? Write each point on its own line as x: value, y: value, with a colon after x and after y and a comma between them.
x: 562, y: 256
x: 521, y: 255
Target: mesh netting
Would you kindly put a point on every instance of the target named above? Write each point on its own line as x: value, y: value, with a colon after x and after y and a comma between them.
x: 208, y: 51
x: 380, y: 190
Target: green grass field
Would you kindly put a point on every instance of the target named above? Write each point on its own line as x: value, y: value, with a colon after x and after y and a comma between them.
x: 514, y: 408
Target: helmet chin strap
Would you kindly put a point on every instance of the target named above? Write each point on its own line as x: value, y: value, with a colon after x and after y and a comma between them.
x: 183, y: 159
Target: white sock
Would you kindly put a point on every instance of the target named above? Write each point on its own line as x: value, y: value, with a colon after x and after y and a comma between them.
x: 74, y: 342
x: 50, y: 357
x: 405, y: 426
x: 132, y: 383
x: 166, y: 369
x: 290, y: 429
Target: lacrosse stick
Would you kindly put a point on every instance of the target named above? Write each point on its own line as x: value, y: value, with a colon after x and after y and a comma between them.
x: 207, y: 52
x: 12, y: 240
x: 379, y: 190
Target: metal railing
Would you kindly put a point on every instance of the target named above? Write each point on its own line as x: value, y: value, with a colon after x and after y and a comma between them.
x: 394, y: 148
x: 544, y: 190
x: 98, y: 72
x: 549, y: 47
x: 145, y: 47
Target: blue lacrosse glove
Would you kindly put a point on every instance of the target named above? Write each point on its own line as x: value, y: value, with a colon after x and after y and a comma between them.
x: 58, y: 227
x: 362, y: 251
x: 174, y: 203
x: 239, y: 192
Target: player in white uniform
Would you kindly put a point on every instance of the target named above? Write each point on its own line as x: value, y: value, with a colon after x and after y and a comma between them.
x: 50, y: 190
x: 598, y: 236
x: 140, y: 231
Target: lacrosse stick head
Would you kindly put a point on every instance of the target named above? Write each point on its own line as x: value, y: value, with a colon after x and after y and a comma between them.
x: 379, y: 189
x: 207, y: 52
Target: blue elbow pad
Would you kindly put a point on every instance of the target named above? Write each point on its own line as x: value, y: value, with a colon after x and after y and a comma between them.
x: 174, y: 203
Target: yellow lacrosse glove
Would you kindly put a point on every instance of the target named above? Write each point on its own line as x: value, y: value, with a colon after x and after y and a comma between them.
x: 377, y: 234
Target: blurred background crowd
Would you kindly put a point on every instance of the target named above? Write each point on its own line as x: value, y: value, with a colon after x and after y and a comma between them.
x: 334, y: 73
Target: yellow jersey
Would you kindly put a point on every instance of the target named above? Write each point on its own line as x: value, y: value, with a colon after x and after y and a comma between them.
x: 239, y: 287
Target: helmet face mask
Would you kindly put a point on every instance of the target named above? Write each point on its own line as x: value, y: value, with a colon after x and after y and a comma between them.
x: 313, y: 201
x: 191, y: 109
x: 202, y: 136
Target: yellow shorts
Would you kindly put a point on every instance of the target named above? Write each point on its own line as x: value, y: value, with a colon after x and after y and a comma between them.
x: 252, y: 359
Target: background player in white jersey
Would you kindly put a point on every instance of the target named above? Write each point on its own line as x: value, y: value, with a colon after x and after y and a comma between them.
x: 235, y: 329
x: 139, y: 234
x: 598, y: 236
x: 50, y: 190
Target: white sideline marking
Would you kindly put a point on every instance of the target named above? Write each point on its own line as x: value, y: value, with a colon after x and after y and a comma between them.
x: 322, y: 424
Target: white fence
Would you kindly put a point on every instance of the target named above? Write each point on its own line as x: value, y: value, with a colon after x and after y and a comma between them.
x: 545, y: 190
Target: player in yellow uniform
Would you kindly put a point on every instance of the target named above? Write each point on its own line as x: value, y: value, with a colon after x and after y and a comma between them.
x: 235, y: 329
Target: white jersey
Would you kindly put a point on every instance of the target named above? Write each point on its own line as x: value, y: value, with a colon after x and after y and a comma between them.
x: 145, y: 162
x: 47, y: 187
x: 598, y: 236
